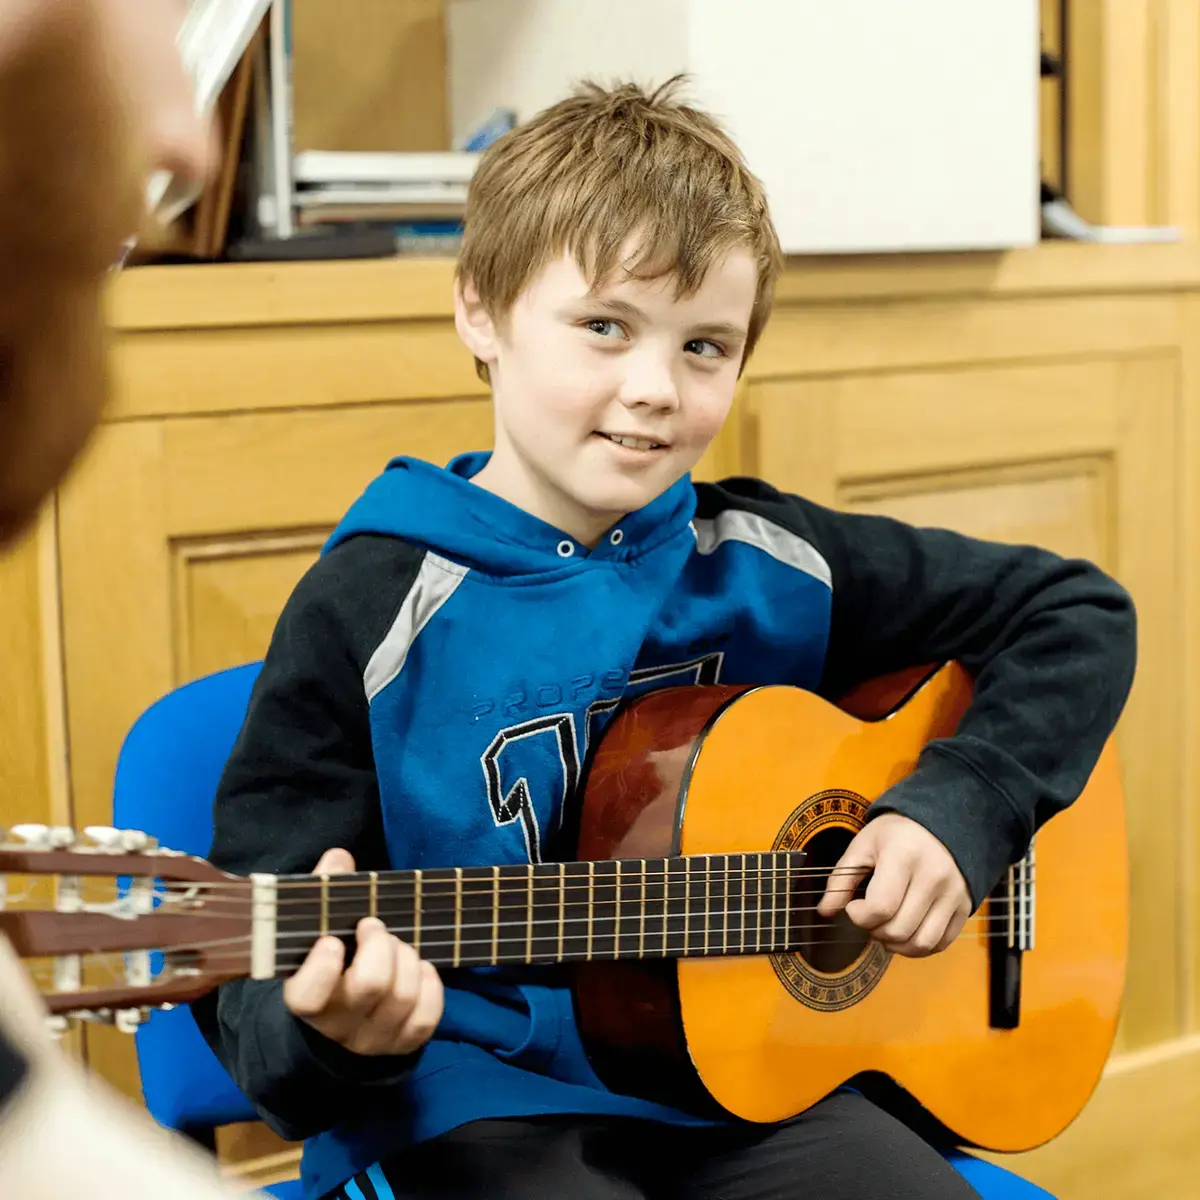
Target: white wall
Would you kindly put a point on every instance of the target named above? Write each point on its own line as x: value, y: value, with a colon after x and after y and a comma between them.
x: 876, y: 125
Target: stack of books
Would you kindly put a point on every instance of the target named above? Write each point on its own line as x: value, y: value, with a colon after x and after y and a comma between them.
x: 420, y: 197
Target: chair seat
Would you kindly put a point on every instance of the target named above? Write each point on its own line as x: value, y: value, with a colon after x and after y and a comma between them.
x: 993, y: 1182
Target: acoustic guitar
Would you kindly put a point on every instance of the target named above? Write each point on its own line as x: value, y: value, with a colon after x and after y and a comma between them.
x: 709, y: 820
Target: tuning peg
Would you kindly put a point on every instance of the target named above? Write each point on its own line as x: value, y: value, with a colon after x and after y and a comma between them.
x: 117, y: 840
x: 57, y: 1026
x: 127, y: 1020
x: 45, y: 837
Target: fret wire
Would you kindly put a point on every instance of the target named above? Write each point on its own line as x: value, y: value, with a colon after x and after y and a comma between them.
x: 707, y: 902
x: 774, y: 900
x: 457, y: 912
x: 417, y: 910
x: 725, y: 909
x: 324, y: 905
x: 687, y: 899
x: 751, y: 899
x: 761, y: 910
x: 666, y: 912
x: 758, y: 928
x: 617, y: 913
x: 529, y: 920
x: 772, y: 905
x: 591, y: 907
x: 642, y: 916
x: 374, y: 894
x: 742, y: 909
x: 747, y: 898
x: 787, y: 910
x: 562, y: 903
x: 495, y: 913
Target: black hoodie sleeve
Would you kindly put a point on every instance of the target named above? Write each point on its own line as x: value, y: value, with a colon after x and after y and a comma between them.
x: 300, y: 780
x: 1051, y: 644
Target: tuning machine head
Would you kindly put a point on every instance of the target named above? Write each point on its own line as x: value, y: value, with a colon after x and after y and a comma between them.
x: 45, y: 837
x: 120, y: 841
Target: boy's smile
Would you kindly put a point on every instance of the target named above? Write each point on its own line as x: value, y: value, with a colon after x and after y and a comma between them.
x: 606, y: 397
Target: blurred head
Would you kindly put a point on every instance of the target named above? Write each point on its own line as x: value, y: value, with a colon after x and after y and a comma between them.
x: 617, y: 269
x: 52, y: 364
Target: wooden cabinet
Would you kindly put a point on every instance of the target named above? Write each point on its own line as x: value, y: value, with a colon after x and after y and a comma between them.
x: 181, y: 540
x: 1048, y: 397
x: 1076, y: 456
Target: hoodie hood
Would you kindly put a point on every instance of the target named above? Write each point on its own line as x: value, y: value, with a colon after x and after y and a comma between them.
x: 440, y: 509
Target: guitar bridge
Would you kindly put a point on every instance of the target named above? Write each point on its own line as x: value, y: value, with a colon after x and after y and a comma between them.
x: 1010, y: 930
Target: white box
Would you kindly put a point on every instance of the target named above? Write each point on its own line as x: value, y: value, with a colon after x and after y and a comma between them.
x: 875, y: 125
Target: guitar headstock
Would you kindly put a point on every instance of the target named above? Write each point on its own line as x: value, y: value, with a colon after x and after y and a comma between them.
x: 112, y: 925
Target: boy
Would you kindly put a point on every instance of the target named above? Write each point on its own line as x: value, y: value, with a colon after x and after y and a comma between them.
x: 93, y: 95
x: 432, y: 684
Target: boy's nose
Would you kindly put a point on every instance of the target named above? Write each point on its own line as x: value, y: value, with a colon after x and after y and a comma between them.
x: 650, y: 385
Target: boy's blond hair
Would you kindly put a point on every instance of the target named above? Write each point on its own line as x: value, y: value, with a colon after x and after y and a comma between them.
x: 591, y: 170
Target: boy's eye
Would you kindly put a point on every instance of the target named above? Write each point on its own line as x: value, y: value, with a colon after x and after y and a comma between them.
x: 705, y: 349
x: 605, y: 328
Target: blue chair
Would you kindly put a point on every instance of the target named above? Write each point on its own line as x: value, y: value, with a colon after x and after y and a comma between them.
x: 167, y: 775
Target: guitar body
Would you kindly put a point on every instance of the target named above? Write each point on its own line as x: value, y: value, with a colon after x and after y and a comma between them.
x: 714, y: 770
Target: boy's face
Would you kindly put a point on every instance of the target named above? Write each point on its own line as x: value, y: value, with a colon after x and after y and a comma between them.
x: 605, y: 399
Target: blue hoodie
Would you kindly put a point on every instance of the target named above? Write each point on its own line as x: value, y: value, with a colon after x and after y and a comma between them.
x: 436, y: 680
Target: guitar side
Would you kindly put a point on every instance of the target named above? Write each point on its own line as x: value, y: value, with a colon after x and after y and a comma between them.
x: 628, y: 1011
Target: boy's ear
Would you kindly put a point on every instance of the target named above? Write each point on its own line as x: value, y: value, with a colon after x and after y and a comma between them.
x: 474, y: 323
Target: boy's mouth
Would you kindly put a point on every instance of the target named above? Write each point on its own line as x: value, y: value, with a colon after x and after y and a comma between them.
x: 633, y: 443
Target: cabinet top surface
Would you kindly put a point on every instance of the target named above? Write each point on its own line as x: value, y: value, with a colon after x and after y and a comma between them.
x: 181, y: 297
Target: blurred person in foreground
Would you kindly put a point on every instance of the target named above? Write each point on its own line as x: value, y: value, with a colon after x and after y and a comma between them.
x: 93, y: 98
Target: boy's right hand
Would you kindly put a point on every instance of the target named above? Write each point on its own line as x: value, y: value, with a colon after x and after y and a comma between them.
x: 389, y: 1001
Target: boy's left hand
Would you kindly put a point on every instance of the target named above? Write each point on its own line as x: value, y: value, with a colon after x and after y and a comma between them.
x: 917, y: 900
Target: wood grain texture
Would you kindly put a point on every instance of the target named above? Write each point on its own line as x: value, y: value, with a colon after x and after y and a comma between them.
x: 369, y: 75
x: 27, y: 764
x: 1136, y: 1140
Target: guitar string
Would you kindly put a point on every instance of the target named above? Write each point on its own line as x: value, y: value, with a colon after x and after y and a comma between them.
x: 719, y: 924
x: 546, y: 891
x: 972, y: 926
x: 543, y: 872
x: 387, y: 877
x: 241, y: 961
x: 546, y: 884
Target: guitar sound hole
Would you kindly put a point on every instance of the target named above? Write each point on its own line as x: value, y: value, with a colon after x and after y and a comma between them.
x: 827, y: 945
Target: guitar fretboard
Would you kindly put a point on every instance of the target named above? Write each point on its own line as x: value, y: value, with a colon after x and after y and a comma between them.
x: 553, y: 912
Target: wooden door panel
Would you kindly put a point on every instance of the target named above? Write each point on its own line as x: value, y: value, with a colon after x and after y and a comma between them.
x: 28, y: 658
x: 229, y: 593
x: 1078, y: 457
x: 1064, y: 507
x: 181, y: 540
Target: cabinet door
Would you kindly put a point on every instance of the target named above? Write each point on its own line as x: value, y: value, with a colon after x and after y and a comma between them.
x: 180, y: 541
x: 1077, y: 457
x: 31, y: 784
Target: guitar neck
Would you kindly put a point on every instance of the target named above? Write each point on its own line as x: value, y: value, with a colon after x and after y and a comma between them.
x: 719, y: 904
